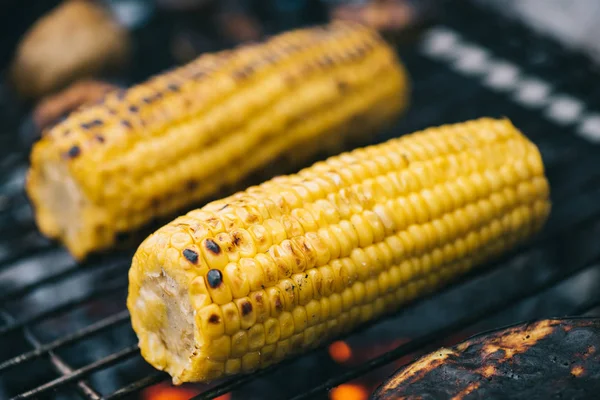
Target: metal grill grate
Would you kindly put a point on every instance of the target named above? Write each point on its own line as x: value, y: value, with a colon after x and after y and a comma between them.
x: 66, y: 333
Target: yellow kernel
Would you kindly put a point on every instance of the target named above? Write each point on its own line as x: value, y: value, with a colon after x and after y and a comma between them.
x: 221, y: 292
x: 282, y: 349
x: 239, y: 344
x: 267, y: 355
x: 231, y: 317
x: 211, y: 321
x: 267, y: 265
x: 348, y: 237
x: 261, y: 236
x: 313, y: 312
x: 335, y: 305
x: 214, y: 256
x: 361, y: 262
x: 246, y: 312
x: 286, y: 325
x: 250, y: 361
x: 330, y: 213
x: 243, y: 244
x: 320, y: 248
x: 328, y: 279
x: 276, y: 230
x: 256, y: 337
x: 236, y: 280
x: 292, y: 226
x: 284, y: 259
x: 300, y: 319
x: 365, y: 232
x: 347, y: 298
x: 276, y: 301
x: 314, y: 275
x: 272, y: 330
x: 289, y: 293
x: 225, y: 242
x: 260, y: 305
x: 233, y: 366
x: 305, y: 219
x: 199, y: 294
x: 219, y: 349
x: 305, y: 288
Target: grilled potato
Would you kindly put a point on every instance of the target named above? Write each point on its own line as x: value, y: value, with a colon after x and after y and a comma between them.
x: 547, y: 359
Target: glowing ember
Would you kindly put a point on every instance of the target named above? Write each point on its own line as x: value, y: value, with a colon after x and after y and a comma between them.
x: 349, y: 392
x: 340, y: 351
x: 165, y: 391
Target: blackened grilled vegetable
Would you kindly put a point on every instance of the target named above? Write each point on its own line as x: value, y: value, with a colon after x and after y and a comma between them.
x: 548, y: 359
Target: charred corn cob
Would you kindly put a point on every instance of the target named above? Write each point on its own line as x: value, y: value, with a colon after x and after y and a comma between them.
x: 247, y: 280
x: 182, y: 136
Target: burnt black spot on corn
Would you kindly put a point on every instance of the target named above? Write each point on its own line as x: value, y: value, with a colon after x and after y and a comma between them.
x: 99, y: 138
x: 208, y: 124
x: 505, y: 362
x: 246, y: 308
x: 214, y: 319
x: 212, y: 246
x: 191, y: 256
x: 214, y: 278
x: 74, y: 152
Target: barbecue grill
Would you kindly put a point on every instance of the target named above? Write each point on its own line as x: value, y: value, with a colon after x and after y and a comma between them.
x: 64, y: 329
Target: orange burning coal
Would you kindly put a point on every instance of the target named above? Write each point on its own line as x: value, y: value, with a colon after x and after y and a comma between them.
x: 349, y: 391
x: 166, y: 391
x: 340, y: 351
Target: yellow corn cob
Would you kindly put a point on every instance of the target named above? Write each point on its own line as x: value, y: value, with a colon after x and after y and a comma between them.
x: 182, y: 136
x: 245, y: 281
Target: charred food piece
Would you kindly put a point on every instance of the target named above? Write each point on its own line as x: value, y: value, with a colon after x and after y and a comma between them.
x: 78, y: 39
x: 58, y: 106
x: 286, y: 265
x: 548, y: 359
x: 179, y: 138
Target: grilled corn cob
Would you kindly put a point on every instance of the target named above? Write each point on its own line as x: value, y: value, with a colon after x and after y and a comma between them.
x: 247, y: 280
x: 181, y: 137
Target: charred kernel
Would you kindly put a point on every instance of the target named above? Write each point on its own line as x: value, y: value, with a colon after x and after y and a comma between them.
x: 74, y: 152
x: 214, y: 277
x: 212, y: 246
x: 126, y: 123
x: 214, y: 319
x: 99, y: 138
x: 191, y: 256
x: 191, y: 184
x: 91, y: 124
x: 342, y: 86
x: 246, y: 308
x: 134, y: 109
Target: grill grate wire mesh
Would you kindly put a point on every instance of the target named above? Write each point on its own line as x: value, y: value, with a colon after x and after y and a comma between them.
x: 38, y: 280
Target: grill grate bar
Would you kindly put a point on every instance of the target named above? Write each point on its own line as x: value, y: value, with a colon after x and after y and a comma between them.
x: 425, y: 342
x: 57, y: 362
x: 74, y: 269
x: 102, y: 363
x: 67, y: 306
x: 89, y: 330
x: 150, y: 380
